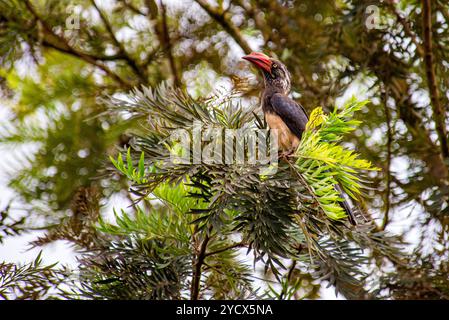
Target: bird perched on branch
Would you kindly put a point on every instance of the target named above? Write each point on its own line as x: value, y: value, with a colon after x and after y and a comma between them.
x: 283, y: 114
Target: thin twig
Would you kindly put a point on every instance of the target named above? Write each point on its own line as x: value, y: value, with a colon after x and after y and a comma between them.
x: 385, y: 219
x: 223, y: 19
x: 163, y: 35
x: 168, y: 46
x: 232, y: 246
x: 438, y: 112
x: 299, y: 219
x: 121, y: 48
x: 254, y: 13
x: 131, y: 7
x: 406, y: 27
x: 95, y: 56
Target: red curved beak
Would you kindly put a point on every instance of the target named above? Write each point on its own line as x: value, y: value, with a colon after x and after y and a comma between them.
x: 260, y: 60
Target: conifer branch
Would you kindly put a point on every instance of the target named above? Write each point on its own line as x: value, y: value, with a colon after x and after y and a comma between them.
x: 197, y: 265
x: 232, y: 246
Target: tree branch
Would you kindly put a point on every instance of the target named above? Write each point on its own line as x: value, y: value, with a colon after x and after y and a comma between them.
x: 406, y: 27
x: 388, y: 69
x: 131, y: 7
x: 113, y: 57
x: 69, y: 49
x: 232, y: 246
x: 385, y: 219
x: 196, y: 277
x: 130, y: 61
x: 162, y: 33
x: 255, y: 14
x: 168, y: 46
x: 438, y: 112
x: 223, y: 19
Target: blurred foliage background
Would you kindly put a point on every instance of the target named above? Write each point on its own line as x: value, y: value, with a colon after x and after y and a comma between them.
x: 60, y: 59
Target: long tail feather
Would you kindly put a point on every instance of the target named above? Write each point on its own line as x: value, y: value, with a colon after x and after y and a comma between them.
x: 346, y: 207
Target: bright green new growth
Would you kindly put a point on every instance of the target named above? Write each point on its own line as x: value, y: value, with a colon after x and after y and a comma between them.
x: 323, y: 163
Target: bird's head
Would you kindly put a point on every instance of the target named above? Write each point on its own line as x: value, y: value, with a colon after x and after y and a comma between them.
x: 276, y: 75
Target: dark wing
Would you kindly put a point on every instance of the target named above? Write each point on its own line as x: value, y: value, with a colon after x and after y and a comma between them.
x: 292, y: 113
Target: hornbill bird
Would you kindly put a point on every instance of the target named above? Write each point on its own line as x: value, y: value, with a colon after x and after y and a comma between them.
x: 282, y: 113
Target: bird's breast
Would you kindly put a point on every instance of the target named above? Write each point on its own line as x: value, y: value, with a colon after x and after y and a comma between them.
x: 286, y: 139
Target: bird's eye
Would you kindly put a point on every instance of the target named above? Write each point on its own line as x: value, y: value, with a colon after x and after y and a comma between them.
x: 275, y: 65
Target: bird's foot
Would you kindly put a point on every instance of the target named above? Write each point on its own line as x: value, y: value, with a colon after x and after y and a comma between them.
x: 286, y: 155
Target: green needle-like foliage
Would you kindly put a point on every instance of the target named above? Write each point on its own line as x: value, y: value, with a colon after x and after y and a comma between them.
x: 293, y: 214
x: 194, y: 223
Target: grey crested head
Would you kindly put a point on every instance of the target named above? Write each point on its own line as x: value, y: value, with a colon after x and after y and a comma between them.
x: 275, y: 73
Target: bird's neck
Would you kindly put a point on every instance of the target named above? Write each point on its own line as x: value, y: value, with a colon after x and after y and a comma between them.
x: 270, y: 90
x: 277, y: 85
